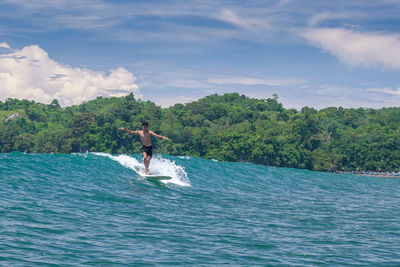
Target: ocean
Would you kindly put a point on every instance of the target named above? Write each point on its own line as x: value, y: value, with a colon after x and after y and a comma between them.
x: 93, y: 209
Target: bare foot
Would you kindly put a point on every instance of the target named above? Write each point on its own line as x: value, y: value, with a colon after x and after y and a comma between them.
x: 147, y: 172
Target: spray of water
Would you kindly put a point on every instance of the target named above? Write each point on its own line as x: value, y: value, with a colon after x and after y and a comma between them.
x: 158, y: 166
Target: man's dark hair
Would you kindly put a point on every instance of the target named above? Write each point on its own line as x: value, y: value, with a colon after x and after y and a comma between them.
x: 145, y: 123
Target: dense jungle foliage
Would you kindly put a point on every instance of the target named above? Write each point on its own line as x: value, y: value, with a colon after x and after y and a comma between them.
x: 228, y: 127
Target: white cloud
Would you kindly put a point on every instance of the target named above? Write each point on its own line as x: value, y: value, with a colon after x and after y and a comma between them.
x: 159, y: 21
x: 4, y: 45
x: 251, y: 23
x: 358, y: 48
x: 29, y: 73
x: 385, y: 90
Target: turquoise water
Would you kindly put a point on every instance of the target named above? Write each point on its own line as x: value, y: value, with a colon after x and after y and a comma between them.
x: 94, y: 209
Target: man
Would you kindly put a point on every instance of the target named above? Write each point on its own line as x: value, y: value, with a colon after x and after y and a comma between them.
x: 147, y: 149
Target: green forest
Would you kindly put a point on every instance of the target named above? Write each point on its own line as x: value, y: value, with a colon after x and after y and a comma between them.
x: 229, y: 127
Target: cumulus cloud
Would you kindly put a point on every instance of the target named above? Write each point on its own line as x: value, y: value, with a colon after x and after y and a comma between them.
x: 356, y: 48
x: 29, y: 73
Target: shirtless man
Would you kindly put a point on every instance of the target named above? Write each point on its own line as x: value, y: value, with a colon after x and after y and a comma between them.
x: 147, y: 149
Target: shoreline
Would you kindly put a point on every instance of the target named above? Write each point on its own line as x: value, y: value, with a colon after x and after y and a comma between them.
x: 380, y: 175
x: 372, y: 174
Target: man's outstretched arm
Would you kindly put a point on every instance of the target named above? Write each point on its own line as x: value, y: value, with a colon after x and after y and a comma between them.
x: 159, y: 136
x: 129, y: 131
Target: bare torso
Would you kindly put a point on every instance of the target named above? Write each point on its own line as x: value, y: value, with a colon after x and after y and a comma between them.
x: 145, y: 137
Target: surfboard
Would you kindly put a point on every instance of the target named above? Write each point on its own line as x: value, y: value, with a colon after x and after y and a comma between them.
x: 156, y: 177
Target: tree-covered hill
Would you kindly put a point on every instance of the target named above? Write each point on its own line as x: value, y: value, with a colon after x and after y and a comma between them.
x: 228, y: 127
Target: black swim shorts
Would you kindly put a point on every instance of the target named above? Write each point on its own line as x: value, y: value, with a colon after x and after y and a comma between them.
x: 148, y: 150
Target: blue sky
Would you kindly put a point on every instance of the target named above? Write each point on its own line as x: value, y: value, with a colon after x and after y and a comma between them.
x: 311, y: 53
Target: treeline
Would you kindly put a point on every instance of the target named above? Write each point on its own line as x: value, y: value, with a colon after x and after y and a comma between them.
x: 230, y: 127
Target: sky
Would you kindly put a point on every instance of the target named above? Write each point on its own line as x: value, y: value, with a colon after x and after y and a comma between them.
x: 310, y: 53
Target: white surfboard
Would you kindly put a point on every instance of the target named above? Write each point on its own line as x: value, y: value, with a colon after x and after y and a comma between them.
x: 156, y: 176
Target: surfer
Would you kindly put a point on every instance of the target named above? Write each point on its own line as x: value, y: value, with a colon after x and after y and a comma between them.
x: 145, y: 136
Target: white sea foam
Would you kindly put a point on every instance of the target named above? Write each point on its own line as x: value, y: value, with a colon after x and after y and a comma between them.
x: 184, y: 157
x: 158, y: 166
